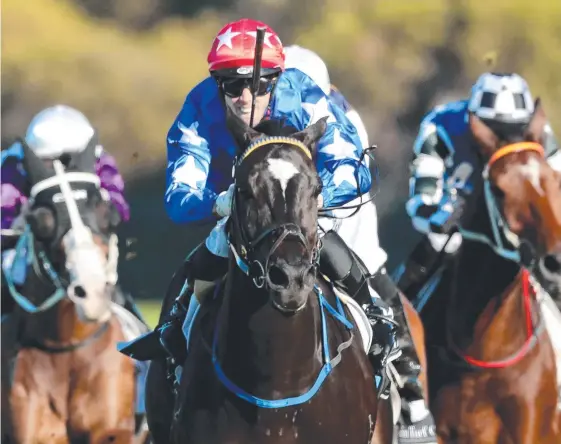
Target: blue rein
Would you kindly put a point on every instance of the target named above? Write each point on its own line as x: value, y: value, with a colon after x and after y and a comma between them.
x: 25, y: 248
x: 328, y: 363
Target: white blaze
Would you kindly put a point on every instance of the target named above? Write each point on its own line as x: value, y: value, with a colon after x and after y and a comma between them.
x: 532, y: 170
x: 283, y: 171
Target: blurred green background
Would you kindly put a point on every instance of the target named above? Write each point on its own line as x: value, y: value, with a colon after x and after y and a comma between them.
x: 128, y: 65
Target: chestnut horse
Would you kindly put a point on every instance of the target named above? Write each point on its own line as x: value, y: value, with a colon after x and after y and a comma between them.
x: 274, y: 356
x: 62, y: 378
x: 492, y: 371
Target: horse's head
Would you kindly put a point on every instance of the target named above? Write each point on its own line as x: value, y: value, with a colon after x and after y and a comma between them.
x: 525, y: 190
x: 274, y: 215
x: 72, y: 226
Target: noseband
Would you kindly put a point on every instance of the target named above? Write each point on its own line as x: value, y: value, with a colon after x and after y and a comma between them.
x: 247, y: 257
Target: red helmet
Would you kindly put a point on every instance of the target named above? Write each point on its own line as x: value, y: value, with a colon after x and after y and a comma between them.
x: 233, y: 49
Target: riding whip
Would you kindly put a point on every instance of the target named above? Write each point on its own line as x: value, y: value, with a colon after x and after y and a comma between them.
x: 259, y: 38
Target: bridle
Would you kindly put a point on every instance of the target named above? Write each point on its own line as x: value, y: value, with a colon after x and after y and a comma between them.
x: 245, y: 249
x: 520, y: 253
x: 516, y: 255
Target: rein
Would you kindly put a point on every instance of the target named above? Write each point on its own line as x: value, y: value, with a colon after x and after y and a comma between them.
x: 329, y: 363
x: 43, y: 268
x: 528, y: 290
x: 40, y: 262
x: 532, y: 333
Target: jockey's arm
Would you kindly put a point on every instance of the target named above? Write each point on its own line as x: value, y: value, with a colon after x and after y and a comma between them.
x: 344, y: 178
x: 428, y: 204
x: 112, y: 181
x: 552, y: 151
x: 188, y: 161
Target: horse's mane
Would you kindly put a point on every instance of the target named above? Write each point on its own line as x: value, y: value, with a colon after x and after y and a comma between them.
x: 275, y: 127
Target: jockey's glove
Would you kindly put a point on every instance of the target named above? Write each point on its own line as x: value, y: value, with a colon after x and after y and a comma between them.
x: 447, y: 217
x: 223, y: 203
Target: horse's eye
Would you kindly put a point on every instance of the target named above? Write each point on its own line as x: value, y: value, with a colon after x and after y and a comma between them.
x: 42, y: 221
x: 245, y: 192
x: 497, y: 192
x: 318, y: 189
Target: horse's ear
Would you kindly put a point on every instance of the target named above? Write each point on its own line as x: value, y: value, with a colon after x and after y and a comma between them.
x: 85, y: 160
x: 483, y: 135
x: 243, y: 134
x: 311, y: 135
x: 535, y: 129
x: 34, y: 167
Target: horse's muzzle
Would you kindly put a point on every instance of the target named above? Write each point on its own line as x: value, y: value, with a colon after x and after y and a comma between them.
x: 550, y: 269
x: 290, y: 285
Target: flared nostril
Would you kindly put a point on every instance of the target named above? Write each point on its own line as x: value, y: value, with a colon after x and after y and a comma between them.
x: 552, y: 263
x: 80, y: 291
x: 278, y: 277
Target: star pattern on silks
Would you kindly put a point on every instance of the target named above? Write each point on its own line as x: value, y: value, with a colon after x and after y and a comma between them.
x: 340, y: 148
x: 190, y: 174
x: 318, y: 110
x: 266, y: 40
x: 345, y: 173
x: 190, y: 135
x: 225, y: 39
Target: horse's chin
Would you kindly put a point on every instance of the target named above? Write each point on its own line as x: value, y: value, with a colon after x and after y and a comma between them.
x: 289, y: 308
x: 551, y: 282
x: 94, y: 307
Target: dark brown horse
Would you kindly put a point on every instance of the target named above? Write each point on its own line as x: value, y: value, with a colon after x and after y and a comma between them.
x: 492, y: 372
x: 275, y: 357
x: 62, y: 378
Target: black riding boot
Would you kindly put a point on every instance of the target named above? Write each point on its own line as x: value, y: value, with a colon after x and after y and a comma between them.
x: 419, y: 266
x: 407, y: 365
x: 200, y: 265
x: 343, y: 267
x: 416, y: 423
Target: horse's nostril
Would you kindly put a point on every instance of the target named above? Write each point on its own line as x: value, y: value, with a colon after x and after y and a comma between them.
x: 278, y: 277
x: 552, y: 263
x: 79, y: 291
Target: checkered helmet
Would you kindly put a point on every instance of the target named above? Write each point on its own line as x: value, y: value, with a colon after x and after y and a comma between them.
x: 503, y: 98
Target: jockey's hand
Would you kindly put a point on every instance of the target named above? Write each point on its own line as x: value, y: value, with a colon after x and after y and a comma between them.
x: 223, y: 204
x: 448, y: 216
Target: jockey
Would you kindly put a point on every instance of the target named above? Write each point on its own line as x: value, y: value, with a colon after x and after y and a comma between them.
x: 407, y: 364
x: 52, y: 133
x: 442, y: 183
x: 199, y: 185
x: 201, y: 190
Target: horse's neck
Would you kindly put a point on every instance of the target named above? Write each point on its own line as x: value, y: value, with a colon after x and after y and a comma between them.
x: 261, y: 349
x: 486, y: 297
x: 58, y: 324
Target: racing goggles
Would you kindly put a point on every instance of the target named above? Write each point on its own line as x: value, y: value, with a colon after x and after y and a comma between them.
x: 234, y: 86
